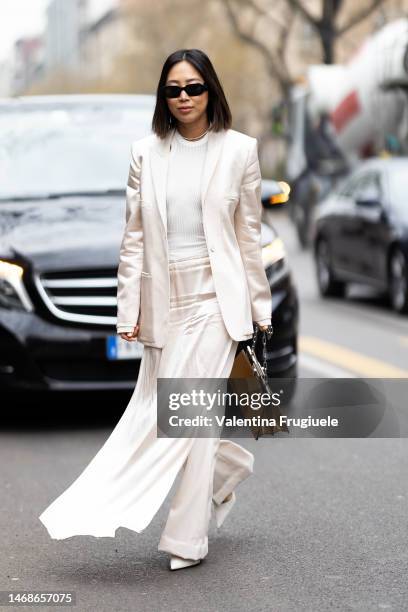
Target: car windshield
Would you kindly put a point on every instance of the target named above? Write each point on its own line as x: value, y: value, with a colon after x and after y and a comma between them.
x: 85, y: 149
x: 399, y: 191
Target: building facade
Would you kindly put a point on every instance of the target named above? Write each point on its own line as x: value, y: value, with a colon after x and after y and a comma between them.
x: 66, y: 22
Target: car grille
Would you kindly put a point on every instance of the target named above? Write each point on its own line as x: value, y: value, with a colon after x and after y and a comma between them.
x: 80, y: 296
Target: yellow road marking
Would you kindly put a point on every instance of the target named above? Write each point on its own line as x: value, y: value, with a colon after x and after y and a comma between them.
x: 349, y: 360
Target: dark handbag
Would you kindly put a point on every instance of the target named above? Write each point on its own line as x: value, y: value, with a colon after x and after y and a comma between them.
x: 247, y: 366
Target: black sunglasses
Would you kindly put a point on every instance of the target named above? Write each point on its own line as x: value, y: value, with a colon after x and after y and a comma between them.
x: 193, y: 89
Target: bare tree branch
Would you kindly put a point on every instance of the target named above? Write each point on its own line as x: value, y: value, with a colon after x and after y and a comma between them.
x: 360, y: 16
x: 274, y: 67
x: 325, y: 25
x: 298, y: 6
x: 283, y: 43
x: 272, y: 15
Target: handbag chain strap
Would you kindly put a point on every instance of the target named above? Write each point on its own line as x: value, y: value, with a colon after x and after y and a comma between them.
x: 267, y: 332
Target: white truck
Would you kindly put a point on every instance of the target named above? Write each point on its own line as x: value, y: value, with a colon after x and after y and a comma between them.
x: 343, y: 113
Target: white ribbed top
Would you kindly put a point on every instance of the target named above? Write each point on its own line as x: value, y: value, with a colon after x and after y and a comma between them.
x: 185, y: 232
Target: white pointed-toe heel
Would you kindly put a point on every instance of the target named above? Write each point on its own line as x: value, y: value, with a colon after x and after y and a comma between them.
x: 180, y: 563
x: 223, y: 509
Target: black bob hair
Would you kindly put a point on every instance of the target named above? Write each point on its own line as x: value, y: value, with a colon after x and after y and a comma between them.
x: 218, y: 111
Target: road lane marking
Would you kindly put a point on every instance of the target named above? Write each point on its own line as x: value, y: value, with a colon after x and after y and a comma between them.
x: 348, y: 359
x: 322, y: 368
x: 368, y: 312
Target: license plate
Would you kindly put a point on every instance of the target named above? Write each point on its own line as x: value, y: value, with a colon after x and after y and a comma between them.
x: 118, y: 348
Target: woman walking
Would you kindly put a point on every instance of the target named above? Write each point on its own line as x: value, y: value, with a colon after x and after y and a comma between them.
x: 191, y: 283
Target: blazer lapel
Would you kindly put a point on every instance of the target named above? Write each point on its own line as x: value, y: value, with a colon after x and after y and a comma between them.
x: 215, y: 140
x: 159, y: 162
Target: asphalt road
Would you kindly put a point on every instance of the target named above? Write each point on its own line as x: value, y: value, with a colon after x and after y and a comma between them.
x: 321, y: 525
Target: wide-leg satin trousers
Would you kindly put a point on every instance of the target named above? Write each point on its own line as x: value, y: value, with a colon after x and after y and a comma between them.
x: 127, y: 481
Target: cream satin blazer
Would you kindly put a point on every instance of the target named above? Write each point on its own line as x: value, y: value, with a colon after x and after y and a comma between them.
x: 231, y: 207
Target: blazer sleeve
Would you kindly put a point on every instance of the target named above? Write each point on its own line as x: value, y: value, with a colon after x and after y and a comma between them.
x: 131, y: 253
x: 247, y: 223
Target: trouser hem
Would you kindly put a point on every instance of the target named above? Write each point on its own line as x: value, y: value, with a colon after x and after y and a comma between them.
x: 187, y: 550
x: 230, y: 484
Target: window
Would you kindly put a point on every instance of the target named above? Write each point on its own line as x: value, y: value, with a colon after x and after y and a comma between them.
x: 368, y: 188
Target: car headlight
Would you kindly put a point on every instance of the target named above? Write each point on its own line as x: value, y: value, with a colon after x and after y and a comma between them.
x: 282, y: 196
x: 275, y: 260
x: 13, y: 294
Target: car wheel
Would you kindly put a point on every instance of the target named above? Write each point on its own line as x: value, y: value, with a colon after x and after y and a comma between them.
x: 328, y: 285
x: 398, y: 281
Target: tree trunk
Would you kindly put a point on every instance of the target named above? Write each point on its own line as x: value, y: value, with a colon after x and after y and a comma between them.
x: 327, y: 39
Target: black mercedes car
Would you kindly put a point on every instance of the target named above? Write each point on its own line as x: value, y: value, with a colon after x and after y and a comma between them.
x: 361, y: 232
x: 61, y: 223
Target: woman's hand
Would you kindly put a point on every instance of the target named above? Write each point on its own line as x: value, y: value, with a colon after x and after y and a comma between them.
x: 263, y: 327
x: 130, y: 336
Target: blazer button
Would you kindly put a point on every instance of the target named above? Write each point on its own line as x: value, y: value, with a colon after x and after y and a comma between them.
x: 212, y: 249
